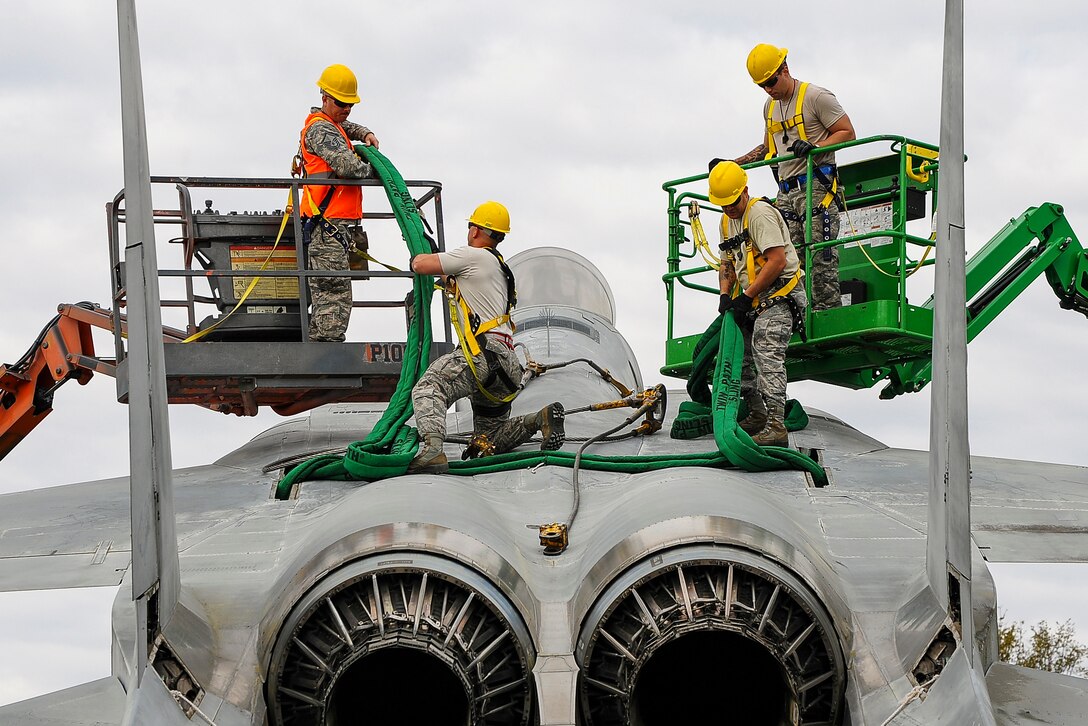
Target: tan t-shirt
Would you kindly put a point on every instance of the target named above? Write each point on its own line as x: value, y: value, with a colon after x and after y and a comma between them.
x: 766, y: 229
x: 820, y: 110
x: 480, y: 280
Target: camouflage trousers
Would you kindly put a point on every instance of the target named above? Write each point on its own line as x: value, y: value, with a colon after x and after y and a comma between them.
x: 449, y: 378
x: 824, y: 272
x: 763, y: 377
x: 330, y: 297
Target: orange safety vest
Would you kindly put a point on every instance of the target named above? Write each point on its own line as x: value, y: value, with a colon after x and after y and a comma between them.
x: 347, y: 201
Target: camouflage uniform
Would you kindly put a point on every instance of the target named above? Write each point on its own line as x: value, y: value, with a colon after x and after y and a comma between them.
x: 449, y: 378
x: 331, y: 296
x: 824, y: 272
x: 763, y: 378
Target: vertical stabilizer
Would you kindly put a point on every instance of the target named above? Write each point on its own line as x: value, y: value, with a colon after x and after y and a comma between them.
x: 948, y: 559
x: 155, y: 579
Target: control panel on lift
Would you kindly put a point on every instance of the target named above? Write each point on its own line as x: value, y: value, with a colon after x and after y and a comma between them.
x: 241, y: 242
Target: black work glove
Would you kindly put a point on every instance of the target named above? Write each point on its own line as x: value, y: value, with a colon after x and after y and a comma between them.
x: 742, y: 304
x: 714, y: 162
x: 725, y: 302
x: 801, y: 148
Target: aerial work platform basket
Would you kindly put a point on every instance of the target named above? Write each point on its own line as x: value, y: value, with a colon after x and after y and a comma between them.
x: 235, y: 314
x: 879, y: 333
x: 243, y: 296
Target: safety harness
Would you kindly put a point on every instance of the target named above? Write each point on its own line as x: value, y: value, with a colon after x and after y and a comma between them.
x: 825, y: 174
x: 796, y: 121
x: 317, y: 215
x: 468, y: 326
x: 754, y: 261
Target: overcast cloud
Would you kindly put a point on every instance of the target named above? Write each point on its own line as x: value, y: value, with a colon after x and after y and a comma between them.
x: 572, y: 114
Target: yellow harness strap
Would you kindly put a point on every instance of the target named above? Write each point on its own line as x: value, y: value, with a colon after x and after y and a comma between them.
x: 753, y: 260
x: 493, y: 323
x: 830, y: 195
x: 797, y: 120
x: 461, y: 317
x: 315, y: 210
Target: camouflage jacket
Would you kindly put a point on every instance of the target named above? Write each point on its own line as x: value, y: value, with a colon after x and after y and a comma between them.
x: 322, y: 139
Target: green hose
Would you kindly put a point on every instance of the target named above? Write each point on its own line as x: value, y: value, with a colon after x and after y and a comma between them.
x: 391, y: 446
x: 730, y: 437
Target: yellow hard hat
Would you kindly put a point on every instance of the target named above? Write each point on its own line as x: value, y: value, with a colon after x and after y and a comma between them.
x: 764, y: 60
x: 727, y: 182
x: 493, y: 216
x: 339, y: 82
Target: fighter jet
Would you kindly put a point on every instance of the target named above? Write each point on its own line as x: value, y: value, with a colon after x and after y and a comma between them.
x: 539, y: 595
x: 684, y: 594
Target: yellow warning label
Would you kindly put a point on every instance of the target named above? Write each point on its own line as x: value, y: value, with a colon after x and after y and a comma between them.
x: 267, y: 288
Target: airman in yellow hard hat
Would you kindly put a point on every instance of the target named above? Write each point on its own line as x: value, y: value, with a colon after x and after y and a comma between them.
x: 800, y: 118
x: 760, y: 282
x: 485, y: 368
x: 331, y: 213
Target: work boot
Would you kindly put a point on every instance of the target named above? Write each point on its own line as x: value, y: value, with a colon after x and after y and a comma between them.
x: 431, y: 459
x: 753, y: 423
x: 549, y: 422
x: 773, y: 434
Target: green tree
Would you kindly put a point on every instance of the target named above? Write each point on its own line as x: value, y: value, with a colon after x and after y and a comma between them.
x: 1048, y: 647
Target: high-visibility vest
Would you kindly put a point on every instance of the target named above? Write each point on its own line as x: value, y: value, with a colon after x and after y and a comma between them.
x: 347, y: 201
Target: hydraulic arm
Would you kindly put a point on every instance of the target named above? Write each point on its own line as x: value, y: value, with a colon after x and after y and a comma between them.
x: 63, y: 351
x: 1038, y: 242
x: 879, y: 335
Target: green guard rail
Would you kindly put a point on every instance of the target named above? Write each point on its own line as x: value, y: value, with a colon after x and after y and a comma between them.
x: 855, y: 345
x: 883, y: 336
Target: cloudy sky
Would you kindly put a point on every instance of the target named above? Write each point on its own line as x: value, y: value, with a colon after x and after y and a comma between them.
x: 572, y: 114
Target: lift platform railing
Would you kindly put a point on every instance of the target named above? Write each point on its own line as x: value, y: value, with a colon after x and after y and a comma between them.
x: 253, y: 350
x: 286, y: 267
x: 851, y: 345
